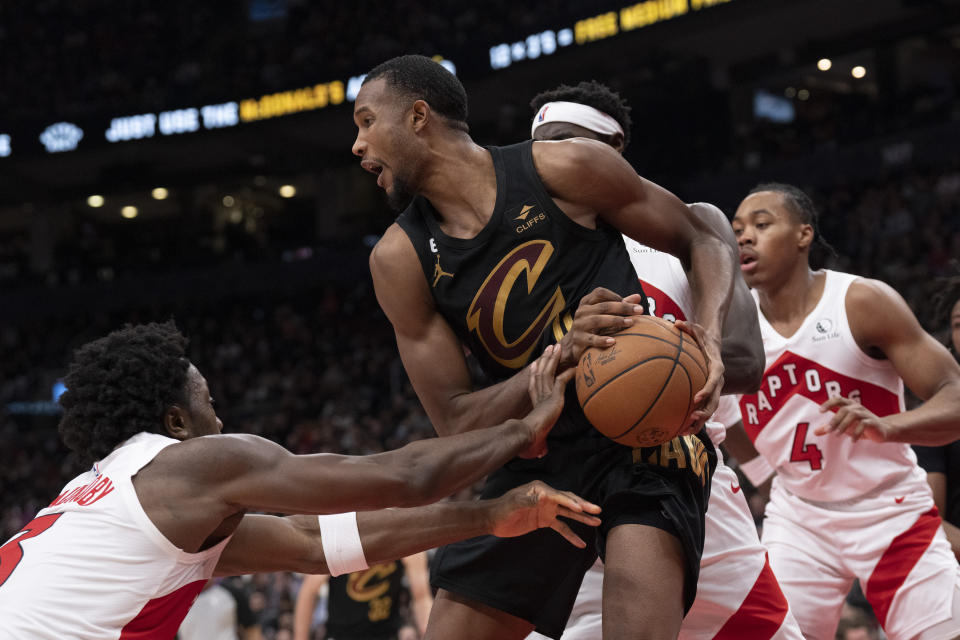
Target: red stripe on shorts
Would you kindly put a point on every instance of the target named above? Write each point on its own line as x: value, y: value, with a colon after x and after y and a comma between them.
x: 762, y: 612
x: 897, y: 562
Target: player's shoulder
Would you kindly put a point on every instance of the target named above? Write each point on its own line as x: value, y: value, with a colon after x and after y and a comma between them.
x: 211, y: 452
x: 877, y: 314
x: 393, y: 249
x: 868, y: 294
x: 570, y: 155
x: 717, y: 220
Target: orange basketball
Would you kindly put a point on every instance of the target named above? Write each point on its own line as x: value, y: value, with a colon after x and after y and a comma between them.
x: 640, y: 391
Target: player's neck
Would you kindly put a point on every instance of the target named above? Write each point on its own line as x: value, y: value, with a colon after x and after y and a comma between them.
x: 787, y: 304
x: 461, y: 184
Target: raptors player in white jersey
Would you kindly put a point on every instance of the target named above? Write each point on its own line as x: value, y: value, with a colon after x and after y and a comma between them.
x: 738, y: 597
x: 846, y: 507
x: 126, y: 547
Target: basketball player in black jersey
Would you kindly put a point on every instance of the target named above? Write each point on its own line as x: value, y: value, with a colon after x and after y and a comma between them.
x: 494, y: 254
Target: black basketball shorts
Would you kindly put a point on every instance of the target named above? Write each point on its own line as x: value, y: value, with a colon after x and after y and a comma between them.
x: 536, y: 577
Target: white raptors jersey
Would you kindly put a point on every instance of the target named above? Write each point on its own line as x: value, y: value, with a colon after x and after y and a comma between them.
x: 93, y: 566
x: 668, y: 294
x: 822, y: 360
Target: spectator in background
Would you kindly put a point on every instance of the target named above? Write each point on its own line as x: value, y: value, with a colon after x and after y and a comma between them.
x: 219, y: 613
x: 942, y: 464
x: 366, y: 604
x: 856, y: 624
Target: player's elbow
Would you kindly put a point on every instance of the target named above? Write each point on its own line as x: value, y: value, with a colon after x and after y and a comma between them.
x: 742, y: 373
x: 460, y: 416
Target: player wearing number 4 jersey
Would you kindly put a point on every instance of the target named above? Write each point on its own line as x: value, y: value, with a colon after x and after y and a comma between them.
x: 846, y: 507
x: 737, y: 596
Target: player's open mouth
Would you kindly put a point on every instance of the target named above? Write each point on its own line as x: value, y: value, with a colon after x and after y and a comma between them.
x: 748, y: 262
x: 375, y: 168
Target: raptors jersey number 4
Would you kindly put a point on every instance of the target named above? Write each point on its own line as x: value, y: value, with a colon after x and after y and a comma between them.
x: 822, y: 360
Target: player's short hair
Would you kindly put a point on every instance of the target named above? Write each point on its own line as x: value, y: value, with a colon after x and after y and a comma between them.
x: 120, y: 385
x: 800, y: 206
x: 948, y: 294
x: 421, y: 78
x: 593, y: 94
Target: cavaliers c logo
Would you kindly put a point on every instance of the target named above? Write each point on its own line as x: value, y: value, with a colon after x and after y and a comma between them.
x: 486, y: 313
x: 364, y: 586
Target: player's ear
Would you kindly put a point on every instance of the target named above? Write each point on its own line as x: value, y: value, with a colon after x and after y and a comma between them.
x: 176, y: 423
x: 420, y: 115
x: 616, y: 141
x: 805, y: 237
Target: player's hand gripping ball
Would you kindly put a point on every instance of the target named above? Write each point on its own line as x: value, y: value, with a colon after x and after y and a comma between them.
x: 639, y: 392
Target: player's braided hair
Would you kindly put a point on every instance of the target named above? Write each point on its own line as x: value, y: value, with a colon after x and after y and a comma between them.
x: 593, y: 94
x: 120, y: 385
x: 801, y: 207
x: 421, y: 78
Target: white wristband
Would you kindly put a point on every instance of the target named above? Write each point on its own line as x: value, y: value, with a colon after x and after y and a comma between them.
x: 341, y: 543
x: 757, y: 470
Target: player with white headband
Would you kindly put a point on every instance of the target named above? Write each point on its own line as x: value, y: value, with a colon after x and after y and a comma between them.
x: 737, y: 595
x: 582, y: 115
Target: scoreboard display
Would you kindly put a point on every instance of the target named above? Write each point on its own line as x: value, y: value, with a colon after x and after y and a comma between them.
x: 63, y: 136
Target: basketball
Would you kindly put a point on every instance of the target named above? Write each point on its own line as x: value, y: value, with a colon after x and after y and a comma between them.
x: 640, y: 391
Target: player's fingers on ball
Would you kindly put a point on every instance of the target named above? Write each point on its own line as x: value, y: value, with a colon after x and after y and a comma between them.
x: 568, y: 533
x: 618, y: 308
x: 595, y: 340
x: 706, y: 394
x: 690, y: 429
x: 634, y: 298
x: 551, y: 355
x: 599, y: 294
x: 599, y: 322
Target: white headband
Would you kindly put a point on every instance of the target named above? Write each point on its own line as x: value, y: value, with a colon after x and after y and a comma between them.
x: 578, y: 114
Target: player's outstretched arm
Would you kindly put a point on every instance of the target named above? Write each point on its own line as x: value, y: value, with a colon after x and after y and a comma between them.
x: 589, y: 179
x: 269, y: 543
x: 431, y: 352
x: 742, y: 345
x: 240, y: 472
x: 884, y: 326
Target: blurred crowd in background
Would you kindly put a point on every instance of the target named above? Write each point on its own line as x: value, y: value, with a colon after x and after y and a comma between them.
x: 310, y: 362
x: 318, y: 371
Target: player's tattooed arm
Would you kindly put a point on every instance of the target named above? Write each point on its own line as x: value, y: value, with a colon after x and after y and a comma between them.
x: 885, y: 328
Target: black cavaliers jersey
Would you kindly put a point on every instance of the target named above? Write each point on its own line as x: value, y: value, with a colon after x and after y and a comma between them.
x: 512, y: 289
x: 364, y: 604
